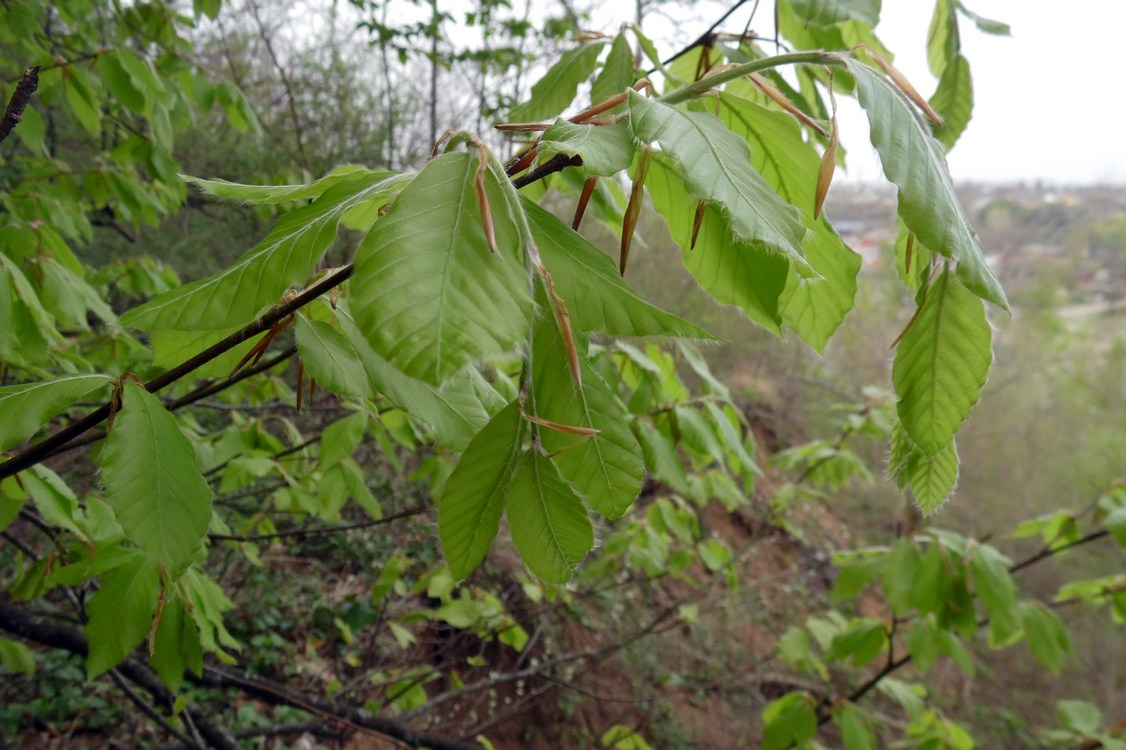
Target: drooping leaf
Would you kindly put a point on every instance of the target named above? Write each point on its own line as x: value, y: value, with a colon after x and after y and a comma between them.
x: 605, y: 149
x: 605, y: 467
x: 789, y: 721
x: 469, y: 510
x: 428, y: 294
x: 29, y: 406
x: 1047, y: 638
x: 176, y: 646
x: 548, y: 521
x: 746, y: 275
x: 853, y: 727
x: 987, y: 25
x: 556, y: 90
x: 932, y: 479
x: 943, y: 39
x: 716, y: 167
x: 829, y: 12
x: 914, y: 161
x: 995, y: 588
x: 456, y: 412
x: 941, y: 364
x: 271, y: 194
x: 617, y: 72
x: 815, y: 306
x: 587, y: 277
x: 954, y: 100
x: 329, y: 356
x: 120, y: 614
x: 660, y: 456
x: 286, y: 257
x: 153, y: 484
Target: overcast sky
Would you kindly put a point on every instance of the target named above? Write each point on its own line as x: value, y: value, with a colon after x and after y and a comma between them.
x: 1050, y: 101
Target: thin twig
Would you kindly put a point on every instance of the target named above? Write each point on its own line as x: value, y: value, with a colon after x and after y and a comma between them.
x: 149, y: 711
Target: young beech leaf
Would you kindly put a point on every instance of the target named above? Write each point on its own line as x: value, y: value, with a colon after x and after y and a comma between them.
x: 557, y: 89
x: 428, y: 294
x: 120, y: 614
x: 746, y: 275
x: 286, y: 257
x: 152, y: 481
x: 830, y: 12
x: 617, y: 72
x: 469, y: 510
x: 916, y: 163
x: 1047, y: 638
x: 941, y: 364
x: 604, y: 467
x: 994, y: 586
x: 954, y: 100
x: 605, y: 149
x: 812, y: 306
x: 547, y: 519
x: 176, y: 646
x: 456, y: 412
x: 584, y: 273
x: 271, y: 194
x: 28, y: 407
x: 330, y: 358
x: 716, y: 167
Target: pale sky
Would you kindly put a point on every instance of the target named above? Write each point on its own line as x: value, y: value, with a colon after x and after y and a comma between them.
x: 1049, y: 101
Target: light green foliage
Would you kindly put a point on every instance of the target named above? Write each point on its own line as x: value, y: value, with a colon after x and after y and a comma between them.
x: 548, y: 521
x: 471, y: 361
x: 915, y: 162
x: 432, y: 246
x: 27, y: 407
x: 716, y: 168
x: 557, y: 89
x: 154, y: 486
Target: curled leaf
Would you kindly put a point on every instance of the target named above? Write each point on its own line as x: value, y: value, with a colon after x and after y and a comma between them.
x: 828, y: 162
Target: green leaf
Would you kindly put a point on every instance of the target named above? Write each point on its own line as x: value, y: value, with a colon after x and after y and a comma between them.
x: 829, y: 12
x: 341, y: 438
x: 171, y: 348
x: 606, y: 467
x: 548, y: 521
x: 815, y: 306
x: 716, y: 167
x: 84, y: 103
x: 914, y: 161
x: 941, y: 364
x: 923, y: 643
x: 120, y: 614
x: 995, y: 588
x: 176, y: 646
x: 862, y: 641
x: 556, y: 90
x: 1046, y: 635
x: 588, y: 280
x: 954, y: 100
x: 286, y: 257
x: 899, y: 575
x: 154, y: 486
x: 428, y: 294
x: 456, y: 412
x: 16, y: 657
x: 617, y: 72
x: 931, y: 478
x: 660, y: 456
x: 469, y: 510
x: 987, y: 25
x: 746, y: 275
x: 272, y: 194
x: 605, y: 149
x: 789, y: 721
x: 943, y: 39
x: 1079, y: 716
x: 29, y: 406
x: 853, y: 727
x: 329, y: 356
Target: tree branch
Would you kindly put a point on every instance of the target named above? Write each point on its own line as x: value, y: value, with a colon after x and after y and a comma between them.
x: 289, y: 533
x: 21, y: 97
